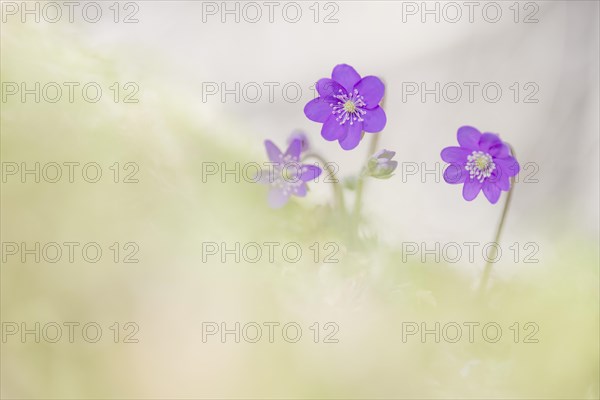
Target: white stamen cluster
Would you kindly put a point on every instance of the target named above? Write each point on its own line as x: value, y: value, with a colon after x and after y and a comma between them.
x: 480, y: 165
x: 349, y: 107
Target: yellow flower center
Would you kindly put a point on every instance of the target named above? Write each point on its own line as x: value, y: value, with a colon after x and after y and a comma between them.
x: 482, y: 162
x: 349, y: 106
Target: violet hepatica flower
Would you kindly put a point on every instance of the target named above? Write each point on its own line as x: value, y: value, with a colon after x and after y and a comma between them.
x: 381, y: 165
x: 286, y: 175
x: 347, y: 105
x: 482, y: 162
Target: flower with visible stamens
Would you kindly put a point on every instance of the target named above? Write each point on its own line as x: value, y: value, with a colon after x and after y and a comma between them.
x: 347, y: 106
x: 483, y: 162
x: 287, y: 176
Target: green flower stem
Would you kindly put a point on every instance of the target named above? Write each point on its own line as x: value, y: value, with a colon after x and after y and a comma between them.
x: 338, y: 194
x: 361, y: 178
x: 488, y: 266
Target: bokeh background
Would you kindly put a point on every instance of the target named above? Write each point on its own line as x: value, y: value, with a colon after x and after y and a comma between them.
x: 171, y: 133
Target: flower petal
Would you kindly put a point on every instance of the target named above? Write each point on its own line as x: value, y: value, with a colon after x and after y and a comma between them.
x: 332, y: 130
x: 491, y: 191
x: 374, y: 120
x: 392, y: 165
x: 500, y: 150
x: 294, y: 149
x: 372, y: 89
x: 300, y: 135
x: 387, y: 154
x: 277, y: 198
x: 318, y: 109
x: 471, y: 189
x: 309, y: 172
x: 455, y: 155
x: 509, y: 165
x: 353, y: 136
x: 455, y: 173
x: 263, y: 176
x: 346, y: 76
x: 468, y: 137
x: 328, y: 87
x: 301, y: 190
x: 273, y: 151
x: 500, y: 178
x: 488, y: 140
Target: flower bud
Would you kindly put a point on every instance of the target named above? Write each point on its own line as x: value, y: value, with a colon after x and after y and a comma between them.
x: 381, y: 165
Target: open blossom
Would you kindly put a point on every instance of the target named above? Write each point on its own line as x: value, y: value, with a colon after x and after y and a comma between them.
x: 347, y: 105
x: 287, y: 176
x: 482, y: 162
x: 381, y: 165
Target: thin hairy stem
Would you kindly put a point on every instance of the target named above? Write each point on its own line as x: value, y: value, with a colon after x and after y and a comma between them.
x: 488, y: 266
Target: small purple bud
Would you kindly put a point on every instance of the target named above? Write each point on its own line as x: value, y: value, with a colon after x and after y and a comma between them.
x: 381, y: 165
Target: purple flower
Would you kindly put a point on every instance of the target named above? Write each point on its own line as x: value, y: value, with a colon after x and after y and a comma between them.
x: 347, y: 105
x: 482, y: 162
x: 287, y: 176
